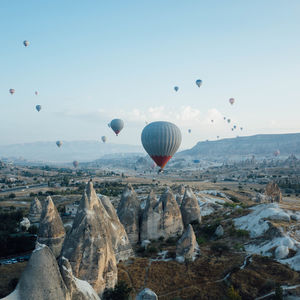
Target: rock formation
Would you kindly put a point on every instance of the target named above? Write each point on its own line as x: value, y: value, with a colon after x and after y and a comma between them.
x: 51, y: 229
x: 152, y: 219
x: 219, y: 231
x: 273, y: 193
x: 129, y: 213
x: 187, y: 245
x: 41, y: 278
x: 172, y: 221
x: 88, y: 247
x: 146, y: 294
x: 180, y: 194
x: 25, y: 223
x: 78, y: 289
x: 119, y: 238
x: 35, y: 211
x: 190, y: 208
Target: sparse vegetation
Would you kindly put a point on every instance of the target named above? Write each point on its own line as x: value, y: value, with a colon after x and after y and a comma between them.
x: 233, y: 294
x: 120, y: 292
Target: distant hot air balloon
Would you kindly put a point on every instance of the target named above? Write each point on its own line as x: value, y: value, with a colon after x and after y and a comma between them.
x: 241, y: 128
x: 26, y: 43
x: 234, y: 126
x: 117, y: 125
x: 161, y: 140
x: 36, y: 93
x: 276, y: 153
x: 232, y: 129
x: 217, y: 137
x: 224, y: 118
x: 198, y: 82
x: 104, y: 139
x: 75, y: 163
x: 190, y: 130
x: 38, y: 108
x: 12, y: 91
x: 231, y: 101
x: 176, y: 88
x: 228, y: 121
x: 58, y: 144
x: 212, y: 121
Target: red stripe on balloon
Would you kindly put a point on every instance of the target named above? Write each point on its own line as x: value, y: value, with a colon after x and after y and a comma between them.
x: 161, y: 160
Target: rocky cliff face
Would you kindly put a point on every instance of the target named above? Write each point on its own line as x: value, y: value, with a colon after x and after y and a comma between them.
x: 35, y: 211
x: 172, y: 220
x: 41, y: 279
x: 78, y: 289
x: 119, y: 238
x: 129, y: 213
x: 190, y: 208
x: 152, y: 219
x: 273, y: 193
x: 179, y: 196
x: 88, y: 247
x: 187, y: 245
x: 51, y: 230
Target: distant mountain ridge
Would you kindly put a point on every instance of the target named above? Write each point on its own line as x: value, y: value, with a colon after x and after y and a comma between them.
x: 261, y: 145
x: 69, y: 151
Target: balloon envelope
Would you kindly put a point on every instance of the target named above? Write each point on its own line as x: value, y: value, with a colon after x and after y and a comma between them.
x: 75, y: 163
x: 26, y: 43
x: 117, y: 125
x: 231, y: 101
x: 190, y: 130
x: 161, y: 140
x: 58, y: 144
x: 36, y: 93
x: 104, y: 139
x: 228, y: 120
x: 199, y: 82
x: 12, y: 91
x: 176, y: 88
x: 38, y: 107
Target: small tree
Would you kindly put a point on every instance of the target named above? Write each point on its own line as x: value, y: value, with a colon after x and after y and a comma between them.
x: 278, y: 292
x: 120, y: 292
x: 233, y: 294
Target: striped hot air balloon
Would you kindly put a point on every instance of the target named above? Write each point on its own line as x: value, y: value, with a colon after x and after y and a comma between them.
x: 117, y: 125
x: 161, y: 140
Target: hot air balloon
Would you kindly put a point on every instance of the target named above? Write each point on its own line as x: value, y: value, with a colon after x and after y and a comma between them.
x: 12, y: 91
x: 75, y: 163
x: 176, y: 88
x: 161, y: 140
x: 224, y: 118
x: 212, y: 121
x: 217, y: 137
x: 117, y: 125
x: 198, y: 82
x: 58, y: 144
x: 38, y: 107
x: 228, y: 121
x: 104, y: 139
x: 108, y: 125
x: 26, y: 43
x: 36, y: 93
x: 234, y: 126
x: 190, y: 130
x: 276, y: 153
x: 232, y: 129
x: 231, y: 101
x: 241, y: 128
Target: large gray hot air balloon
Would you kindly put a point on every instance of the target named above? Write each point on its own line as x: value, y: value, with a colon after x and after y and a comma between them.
x: 117, y: 125
x: 199, y: 82
x: 58, y: 144
x: 161, y: 140
x: 75, y: 163
x: 176, y: 88
x: 104, y: 139
x: 38, y: 108
x: 26, y: 43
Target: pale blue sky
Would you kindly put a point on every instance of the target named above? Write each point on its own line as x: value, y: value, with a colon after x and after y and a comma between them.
x: 95, y: 60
